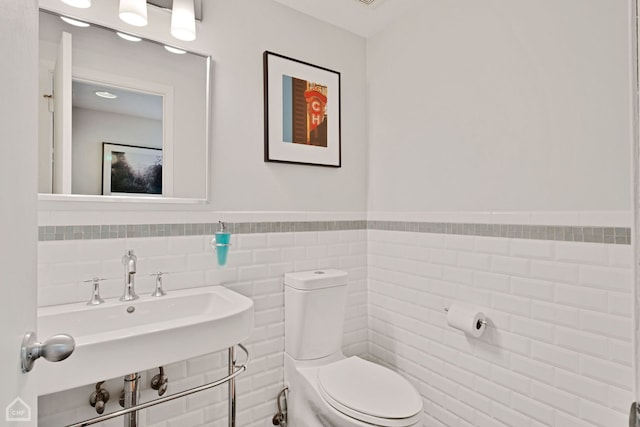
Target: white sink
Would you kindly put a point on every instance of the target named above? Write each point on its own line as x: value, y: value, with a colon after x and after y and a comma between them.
x: 112, y: 342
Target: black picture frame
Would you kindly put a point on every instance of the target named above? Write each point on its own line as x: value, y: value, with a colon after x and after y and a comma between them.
x: 138, y: 175
x: 302, y: 112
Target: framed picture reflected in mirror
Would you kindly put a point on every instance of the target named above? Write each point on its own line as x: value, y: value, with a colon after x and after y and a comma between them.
x: 131, y: 170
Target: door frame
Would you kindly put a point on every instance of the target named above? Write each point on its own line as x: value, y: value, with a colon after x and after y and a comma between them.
x: 635, y: 189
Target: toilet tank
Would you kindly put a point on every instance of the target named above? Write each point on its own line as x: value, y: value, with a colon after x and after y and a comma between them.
x: 314, y: 311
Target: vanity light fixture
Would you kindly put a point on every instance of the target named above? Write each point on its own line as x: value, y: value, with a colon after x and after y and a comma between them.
x: 74, y: 22
x: 105, y: 94
x: 183, y: 21
x: 134, y: 12
x: 82, y: 4
x: 128, y: 37
x: 175, y: 50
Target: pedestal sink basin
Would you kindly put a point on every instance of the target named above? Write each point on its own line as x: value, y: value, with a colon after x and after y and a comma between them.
x: 119, y: 338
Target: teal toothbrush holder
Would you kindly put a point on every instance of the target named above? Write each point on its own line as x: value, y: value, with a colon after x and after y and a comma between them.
x: 221, y: 242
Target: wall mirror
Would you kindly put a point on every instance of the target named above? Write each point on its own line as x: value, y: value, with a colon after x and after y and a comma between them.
x: 121, y: 118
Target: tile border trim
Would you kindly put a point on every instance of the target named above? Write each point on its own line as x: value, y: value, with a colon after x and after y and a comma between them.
x: 609, y: 235
x: 89, y: 232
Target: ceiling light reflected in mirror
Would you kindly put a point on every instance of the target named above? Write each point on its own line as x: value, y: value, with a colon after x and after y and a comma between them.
x: 105, y: 94
x: 74, y: 22
x: 82, y: 4
x: 128, y: 37
x: 175, y: 50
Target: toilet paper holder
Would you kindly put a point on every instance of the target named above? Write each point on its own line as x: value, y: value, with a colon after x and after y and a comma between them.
x: 482, y: 322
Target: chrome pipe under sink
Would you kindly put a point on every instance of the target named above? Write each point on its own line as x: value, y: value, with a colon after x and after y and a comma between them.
x: 131, y: 398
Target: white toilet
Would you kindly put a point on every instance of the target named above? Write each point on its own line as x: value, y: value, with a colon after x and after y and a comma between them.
x: 327, y: 389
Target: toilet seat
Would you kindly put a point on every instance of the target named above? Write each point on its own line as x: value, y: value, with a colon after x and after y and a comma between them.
x: 369, y: 392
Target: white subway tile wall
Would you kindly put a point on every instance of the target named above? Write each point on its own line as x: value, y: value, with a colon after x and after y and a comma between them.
x: 557, y: 350
x: 256, y: 265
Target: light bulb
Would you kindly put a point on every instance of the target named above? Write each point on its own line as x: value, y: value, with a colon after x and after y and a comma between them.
x: 74, y: 22
x: 128, y: 37
x: 175, y: 50
x: 134, y: 12
x: 183, y: 21
x: 83, y: 4
x: 105, y: 94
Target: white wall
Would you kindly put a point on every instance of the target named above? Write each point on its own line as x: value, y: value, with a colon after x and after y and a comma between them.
x: 236, y: 34
x: 241, y: 180
x: 557, y: 350
x: 91, y: 128
x: 518, y: 108
x: 501, y: 105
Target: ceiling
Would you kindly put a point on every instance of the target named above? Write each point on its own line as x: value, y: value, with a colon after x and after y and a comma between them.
x: 128, y: 102
x: 355, y: 15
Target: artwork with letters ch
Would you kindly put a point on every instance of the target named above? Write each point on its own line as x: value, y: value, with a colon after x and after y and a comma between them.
x: 302, y: 112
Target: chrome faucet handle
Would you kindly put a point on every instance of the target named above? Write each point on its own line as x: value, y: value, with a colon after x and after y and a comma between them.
x: 159, y: 292
x: 95, y: 297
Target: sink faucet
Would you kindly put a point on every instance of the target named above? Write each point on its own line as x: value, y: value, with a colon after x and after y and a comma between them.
x: 129, y: 261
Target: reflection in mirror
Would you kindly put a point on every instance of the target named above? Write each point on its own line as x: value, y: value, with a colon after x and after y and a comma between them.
x: 106, y: 97
x: 98, y: 110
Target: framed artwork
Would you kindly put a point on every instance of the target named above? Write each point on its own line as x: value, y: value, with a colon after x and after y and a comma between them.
x: 131, y: 170
x: 301, y: 112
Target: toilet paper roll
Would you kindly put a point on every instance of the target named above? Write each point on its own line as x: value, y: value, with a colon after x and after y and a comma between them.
x: 467, y: 319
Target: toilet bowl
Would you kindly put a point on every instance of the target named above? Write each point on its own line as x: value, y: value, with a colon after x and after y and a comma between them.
x: 341, y: 394
x: 325, y: 387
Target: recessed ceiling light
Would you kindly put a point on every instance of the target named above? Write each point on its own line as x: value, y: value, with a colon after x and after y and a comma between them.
x: 74, y: 22
x: 175, y: 50
x: 105, y: 94
x: 83, y: 4
x: 128, y: 37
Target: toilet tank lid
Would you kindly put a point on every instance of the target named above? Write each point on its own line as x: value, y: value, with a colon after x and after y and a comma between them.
x: 315, y: 279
